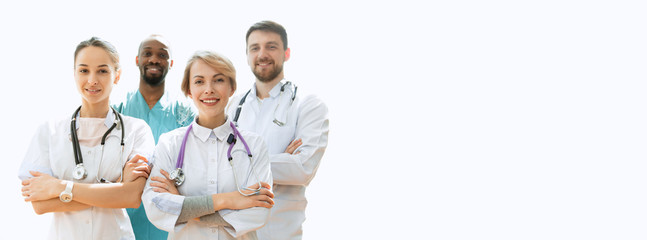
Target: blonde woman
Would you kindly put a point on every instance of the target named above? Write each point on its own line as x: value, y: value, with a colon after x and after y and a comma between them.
x: 87, y: 167
x: 209, y: 180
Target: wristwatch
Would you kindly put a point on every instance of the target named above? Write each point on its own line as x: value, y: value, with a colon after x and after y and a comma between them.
x: 66, y: 195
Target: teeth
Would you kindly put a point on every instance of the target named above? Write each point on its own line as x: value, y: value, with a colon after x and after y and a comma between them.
x: 93, y: 90
x: 210, y: 101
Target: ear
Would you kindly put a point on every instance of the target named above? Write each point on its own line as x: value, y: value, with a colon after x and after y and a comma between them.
x: 170, y: 66
x: 287, y: 55
x: 137, y: 60
x: 118, y: 76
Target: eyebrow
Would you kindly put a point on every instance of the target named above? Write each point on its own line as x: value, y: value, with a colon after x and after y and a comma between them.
x: 85, y: 65
x: 214, y: 76
x: 149, y: 48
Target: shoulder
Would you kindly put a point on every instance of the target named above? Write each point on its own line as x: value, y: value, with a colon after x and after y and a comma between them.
x: 53, y: 126
x: 56, y: 124
x: 253, y: 139
x: 134, y: 123
x: 183, y: 110
x: 235, y: 100
x: 123, y: 104
x: 172, y: 136
x: 239, y: 95
x: 312, y: 104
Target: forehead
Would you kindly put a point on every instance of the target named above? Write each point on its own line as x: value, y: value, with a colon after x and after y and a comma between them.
x: 263, y: 37
x: 199, y: 67
x: 93, y: 56
x: 153, y: 44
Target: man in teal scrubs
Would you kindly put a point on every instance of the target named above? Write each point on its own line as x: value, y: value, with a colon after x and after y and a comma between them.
x: 162, y: 112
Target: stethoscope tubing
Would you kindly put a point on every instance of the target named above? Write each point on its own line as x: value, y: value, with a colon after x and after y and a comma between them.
x: 78, y: 156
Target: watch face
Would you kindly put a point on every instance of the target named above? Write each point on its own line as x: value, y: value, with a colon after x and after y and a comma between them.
x: 66, y: 197
x: 79, y: 172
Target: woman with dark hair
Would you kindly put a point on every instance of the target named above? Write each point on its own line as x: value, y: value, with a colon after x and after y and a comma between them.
x: 87, y: 167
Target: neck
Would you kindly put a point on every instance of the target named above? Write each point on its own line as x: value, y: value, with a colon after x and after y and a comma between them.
x: 94, y: 110
x: 263, y: 88
x: 151, y: 94
x: 211, y: 122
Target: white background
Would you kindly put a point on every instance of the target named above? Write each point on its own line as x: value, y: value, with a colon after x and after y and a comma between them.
x: 450, y: 120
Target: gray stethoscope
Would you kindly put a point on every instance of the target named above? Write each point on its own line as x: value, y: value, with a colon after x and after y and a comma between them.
x: 79, y: 171
x: 276, y: 120
x: 177, y: 175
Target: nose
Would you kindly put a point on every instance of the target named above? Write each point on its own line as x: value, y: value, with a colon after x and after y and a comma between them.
x: 209, y: 88
x: 93, y: 79
x: 154, y: 59
x: 262, y: 54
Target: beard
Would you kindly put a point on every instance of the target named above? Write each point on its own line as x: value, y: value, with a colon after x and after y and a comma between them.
x: 269, y: 75
x: 153, y: 80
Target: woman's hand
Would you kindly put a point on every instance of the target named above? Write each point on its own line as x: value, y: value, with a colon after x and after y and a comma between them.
x: 41, y: 187
x: 135, y: 168
x: 293, y: 146
x: 164, y: 184
x: 235, y: 200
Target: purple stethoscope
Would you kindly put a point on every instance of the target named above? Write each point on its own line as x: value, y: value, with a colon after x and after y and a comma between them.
x: 177, y: 175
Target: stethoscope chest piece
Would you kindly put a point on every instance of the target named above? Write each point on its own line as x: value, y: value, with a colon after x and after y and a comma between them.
x: 79, y: 172
x: 177, y: 175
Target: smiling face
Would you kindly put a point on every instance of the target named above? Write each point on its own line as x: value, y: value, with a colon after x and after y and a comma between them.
x: 95, y: 73
x: 153, y: 61
x: 265, y: 55
x: 210, y: 91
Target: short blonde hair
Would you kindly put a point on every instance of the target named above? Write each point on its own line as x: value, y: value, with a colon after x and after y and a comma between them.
x: 216, y: 61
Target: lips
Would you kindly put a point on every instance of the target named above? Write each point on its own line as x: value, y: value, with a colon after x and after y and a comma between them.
x: 210, y: 101
x: 264, y: 64
x: 154, y: 69
x: 92, y: 91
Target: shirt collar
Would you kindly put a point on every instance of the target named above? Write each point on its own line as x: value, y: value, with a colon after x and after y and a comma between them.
x: 163, y: 102
x: 110, y: 119
x: 203, y: 133
x: 276, y: 90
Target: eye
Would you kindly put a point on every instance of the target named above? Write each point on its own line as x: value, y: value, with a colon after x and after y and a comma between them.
x: 162, y: 55
x: 197, y: 81
x: 83, y: 70
x: 103, y: 71
x: 253, y: 49
x: 147, y: 54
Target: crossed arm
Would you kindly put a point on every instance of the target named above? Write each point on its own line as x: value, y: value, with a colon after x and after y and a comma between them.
x: 43, y: 190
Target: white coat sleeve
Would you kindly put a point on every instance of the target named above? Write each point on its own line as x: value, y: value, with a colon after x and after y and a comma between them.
x: 312, y: 128
x: 162, y: 209
x: 144, y: 144
x: 247, y: 220
x: 37, y: 157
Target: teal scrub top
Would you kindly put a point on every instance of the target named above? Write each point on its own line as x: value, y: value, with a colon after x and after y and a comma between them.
x: 166, y: 115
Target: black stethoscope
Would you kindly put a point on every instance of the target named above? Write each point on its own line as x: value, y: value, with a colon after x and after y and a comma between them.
x: 276, y: 120
x: 79, y: 171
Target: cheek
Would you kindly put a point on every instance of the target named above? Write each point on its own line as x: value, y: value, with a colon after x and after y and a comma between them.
x: 250, y: 59
x: 194, y: 92
x: 79, y: 80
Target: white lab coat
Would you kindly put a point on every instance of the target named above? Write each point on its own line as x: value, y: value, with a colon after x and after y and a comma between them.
x: 307, y: 119
x: 51, y: 152
x: 207, y: 171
